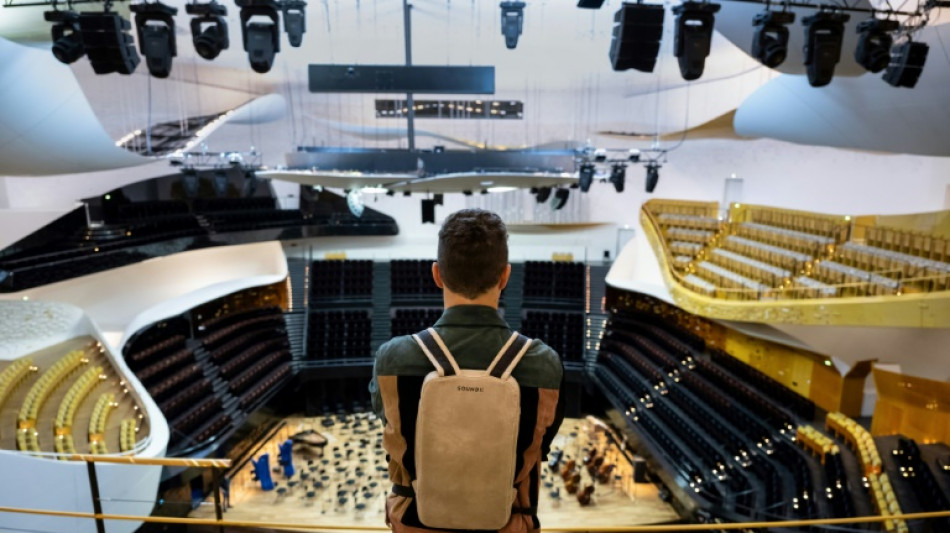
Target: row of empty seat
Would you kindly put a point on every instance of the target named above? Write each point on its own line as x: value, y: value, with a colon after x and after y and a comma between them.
x: 231, y: 354
x: 413, y: 320
x: 44, y: 386
x: 334, y: 280
x: 775, y: 253
x: 554, y: 280
x: 731, y: 439
x: 74, y: 396
x: 341, y: 334
x: 562, y: 330
x: 412, y: 277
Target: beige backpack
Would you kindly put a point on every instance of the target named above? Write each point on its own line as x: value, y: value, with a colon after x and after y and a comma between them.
x: 466, y: 438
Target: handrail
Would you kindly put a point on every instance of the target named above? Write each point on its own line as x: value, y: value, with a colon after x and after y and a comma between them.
x: 150, y: 461
x: 579, y: 529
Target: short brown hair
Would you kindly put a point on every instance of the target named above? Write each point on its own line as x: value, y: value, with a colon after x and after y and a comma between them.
x: 473, y: 251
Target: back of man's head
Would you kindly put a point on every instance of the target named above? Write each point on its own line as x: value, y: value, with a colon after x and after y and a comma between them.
x: 473, y: 251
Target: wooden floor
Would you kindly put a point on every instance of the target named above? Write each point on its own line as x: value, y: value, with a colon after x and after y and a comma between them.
x: 43, y: 359
x: 620, y: 502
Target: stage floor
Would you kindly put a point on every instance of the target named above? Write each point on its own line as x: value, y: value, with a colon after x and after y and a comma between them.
x: 351, y: 480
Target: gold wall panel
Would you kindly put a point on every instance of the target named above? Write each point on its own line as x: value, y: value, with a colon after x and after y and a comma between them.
x: 273, y: 295
x: 916, y: 407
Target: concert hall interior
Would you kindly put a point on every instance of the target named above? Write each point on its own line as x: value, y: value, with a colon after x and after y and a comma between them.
x: 730, y: 219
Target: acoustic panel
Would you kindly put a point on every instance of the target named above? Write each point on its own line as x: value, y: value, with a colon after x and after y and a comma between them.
x: 401, y: 79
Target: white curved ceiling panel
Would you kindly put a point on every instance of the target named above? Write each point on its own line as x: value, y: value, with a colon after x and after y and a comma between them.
x: 47, y: 124
x: 863, y: 112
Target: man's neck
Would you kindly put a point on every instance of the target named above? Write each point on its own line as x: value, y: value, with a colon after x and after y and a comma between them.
x: 490, y: 299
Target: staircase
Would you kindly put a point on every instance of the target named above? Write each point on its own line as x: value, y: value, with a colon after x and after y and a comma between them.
x: 296, y: 324
x: 597, y: 317
x: 382, y: 302
x: 512, y: 299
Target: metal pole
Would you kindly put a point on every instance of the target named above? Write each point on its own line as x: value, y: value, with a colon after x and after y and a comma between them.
x: 407, y: 27
x: 94, y: 491
x: 216, y: 487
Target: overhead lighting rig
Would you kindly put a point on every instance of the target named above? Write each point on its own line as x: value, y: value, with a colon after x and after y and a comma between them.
x: 770, y: 43
x: 512, y: 22
x: 67, y: 39
x: 155, y: 26
x: 653, y: 175
x: 261, y: 36
x: 694, y: 30
x: 874, y: 45
x: 209, y: 28
x: 585, y: 176
x: 295, y: 23
x: 824, y: 32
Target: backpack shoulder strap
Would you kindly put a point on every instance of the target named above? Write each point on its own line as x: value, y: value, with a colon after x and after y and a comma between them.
x: 438, y: 354
x: 509, y: 356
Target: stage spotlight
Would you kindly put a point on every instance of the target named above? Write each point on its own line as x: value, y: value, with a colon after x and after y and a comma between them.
x: 262, y: 35
x: 294, y: 21
x: 653, y: 176
x: 618, y: 175
x: 67, y: 39
x: 907, y: 63
x: 823, y: 33
x: 108, y: 44
x: 585, y: 176
x: 634, y: 155
x: 694, y: 30
x: 209, y: 28
x: 543, y: 194
x: 512, y: 22
x: 560, y: 198
x: 155, y: 26
x: 770, y: 43
x: 874, y: 44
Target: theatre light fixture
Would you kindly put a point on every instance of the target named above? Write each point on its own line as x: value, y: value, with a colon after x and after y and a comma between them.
x: 209, y: 28
x: 770, y: 43
x: 653, y: 176
x: 260, y: 31
x: 155, y: 25
x: 874, y: 44
x: 560, y: 198
x: 694, y: 30
x: 585, y: 176
x: 67, y: 39
x: 512, y: 22
x: 295, y: 23
x: 823, y: 34
x: 618, y: 175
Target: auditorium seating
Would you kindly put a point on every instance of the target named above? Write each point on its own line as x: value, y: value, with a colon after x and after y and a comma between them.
x: 343, y: 334
x: 731, y: 425
x: 341, y: 279
x: 12, y: 376
x: 97, y: 423
x: 917, y: 476
x: 563, y: 331
x: 268, y: 382
x: 554, y: 280
x: 44, y: 386
x: 765, y: 385
x: 73, y: 397
x: 767, y: 253
x: 406, y: 321
x: 413, y: 277
x: 127, y: 435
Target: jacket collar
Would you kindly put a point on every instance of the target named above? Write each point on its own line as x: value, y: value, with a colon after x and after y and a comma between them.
x: 472, y: 315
